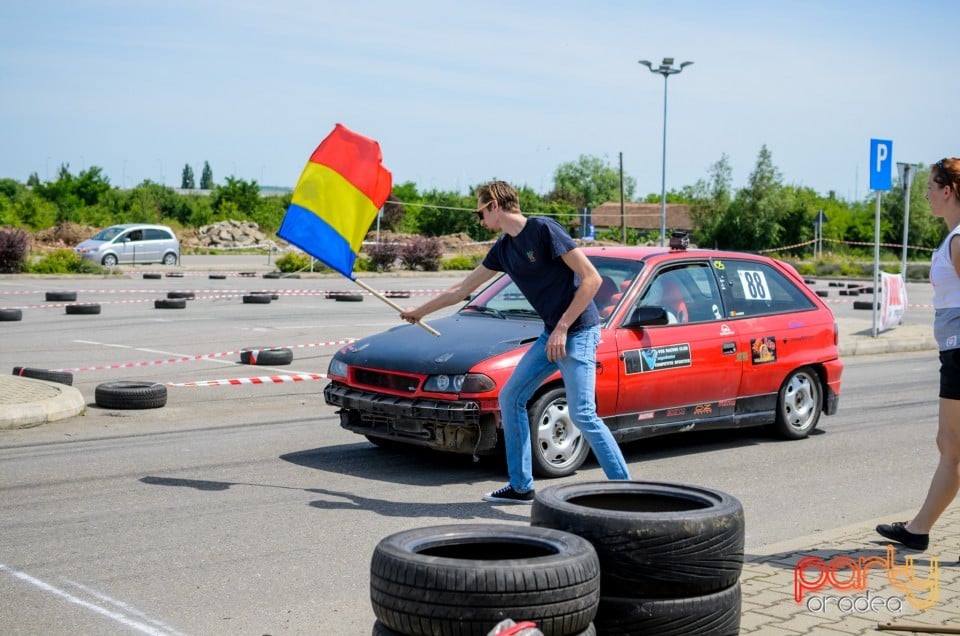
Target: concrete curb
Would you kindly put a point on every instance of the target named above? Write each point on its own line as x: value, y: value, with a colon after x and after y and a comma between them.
x: 28, y: 402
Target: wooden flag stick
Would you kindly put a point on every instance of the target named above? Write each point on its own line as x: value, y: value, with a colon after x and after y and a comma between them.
x: 394, y: 305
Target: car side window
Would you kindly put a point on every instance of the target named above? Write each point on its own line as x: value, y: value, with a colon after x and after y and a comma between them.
x: 757, y: 289
x: 155, y: 235
x: 133, y: 235
x: 688, y: 293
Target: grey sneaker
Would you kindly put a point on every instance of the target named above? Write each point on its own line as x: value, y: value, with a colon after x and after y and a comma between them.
x: 508, y: 495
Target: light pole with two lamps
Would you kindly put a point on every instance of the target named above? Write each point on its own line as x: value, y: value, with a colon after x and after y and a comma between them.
x: 666, y: 69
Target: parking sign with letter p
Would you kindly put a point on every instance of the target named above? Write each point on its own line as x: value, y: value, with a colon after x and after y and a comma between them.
x: 881, y: 164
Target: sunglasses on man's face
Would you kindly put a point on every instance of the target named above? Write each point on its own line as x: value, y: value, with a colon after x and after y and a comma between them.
x: 480, y: 210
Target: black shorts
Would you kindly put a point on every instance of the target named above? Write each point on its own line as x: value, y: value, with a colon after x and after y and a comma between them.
x: 950, y: 374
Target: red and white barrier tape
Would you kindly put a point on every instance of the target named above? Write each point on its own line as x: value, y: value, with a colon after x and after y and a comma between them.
x: 205, y: 356
x: 266, y: 379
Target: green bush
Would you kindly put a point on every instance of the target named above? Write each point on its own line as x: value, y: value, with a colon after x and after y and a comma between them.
x: 293, y: 262
x: 459, y: 263
x: 63, y: 261
x: 382, y: 256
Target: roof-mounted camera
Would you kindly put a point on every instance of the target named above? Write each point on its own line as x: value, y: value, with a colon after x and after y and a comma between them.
x: 679, y: 240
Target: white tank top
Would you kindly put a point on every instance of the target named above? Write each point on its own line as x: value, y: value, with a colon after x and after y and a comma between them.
x: 943, y: 276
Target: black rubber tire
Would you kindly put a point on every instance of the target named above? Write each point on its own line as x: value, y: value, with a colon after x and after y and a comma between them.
x: 379, y: 629
x: 170, y: 303
x: 822, y: 293
x: 466, y: 578
x: 799, y: 404
x: 61, y: 377
x: 397, y: 294
x: 557, y: 447
x: 83, y: 309
x: 266, y: 356
x: 151, y: 276
x: 61, y: 295
x: 188, y: 295
x: 864, y: 304
x: 653, y: 539
x: 10, y: 315
x: 217, y: 277
x: 348, y: 297
x: 247, y: 274
x: 271, y: 275
x: 170, y: 259
x: 123, y: 394
x: 109, y: 260
x: 256, y: 299
x: 174, y: 274
x: 714, y: 614
x: 266, y: 293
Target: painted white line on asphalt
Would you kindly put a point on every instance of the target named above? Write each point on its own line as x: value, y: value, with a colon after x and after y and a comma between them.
x: 115, y: 616
x: 132, y: 611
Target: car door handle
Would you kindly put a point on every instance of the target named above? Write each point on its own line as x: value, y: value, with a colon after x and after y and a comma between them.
x: 729, y: 347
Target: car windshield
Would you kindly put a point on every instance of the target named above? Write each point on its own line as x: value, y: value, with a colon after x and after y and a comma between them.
x: 503, y: 298
x: 108, y: 234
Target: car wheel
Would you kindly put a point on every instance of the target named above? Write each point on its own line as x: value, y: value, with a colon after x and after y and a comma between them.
x: 88, y: 309
x: 266, y: 356
x: 256, y: 299
x: 110, y: 260
x: 463, y: 579
x: 653, y: 539
x: 61, y: 295
x: 170, y: 303
x: 714, y: 613
x: 61, y: 377
x: 557, y: 446
x: 130, y: 395
x: 169, y: 258
x: 10, y: 315
x: 799, y: 404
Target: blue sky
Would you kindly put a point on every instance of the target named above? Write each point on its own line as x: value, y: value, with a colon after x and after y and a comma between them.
x: 458, y: 93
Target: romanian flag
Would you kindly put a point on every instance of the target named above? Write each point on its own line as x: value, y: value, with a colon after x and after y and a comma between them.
x: 337, y: 198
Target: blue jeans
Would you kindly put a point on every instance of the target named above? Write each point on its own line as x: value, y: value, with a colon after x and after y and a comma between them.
x: 579, y: 371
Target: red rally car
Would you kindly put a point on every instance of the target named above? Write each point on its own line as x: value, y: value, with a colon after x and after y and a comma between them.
x: 690, y: 340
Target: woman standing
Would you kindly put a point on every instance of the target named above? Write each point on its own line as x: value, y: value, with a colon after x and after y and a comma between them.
x: 943, y: 193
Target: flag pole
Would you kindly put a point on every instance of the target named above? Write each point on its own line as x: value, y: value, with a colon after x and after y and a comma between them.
x: 394, y: 305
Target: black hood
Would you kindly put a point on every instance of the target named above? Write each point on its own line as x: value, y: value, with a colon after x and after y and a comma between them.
x: 465, y: 340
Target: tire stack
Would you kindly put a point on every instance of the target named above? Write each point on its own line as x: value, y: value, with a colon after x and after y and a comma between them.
x: 670, y: 555
x: 468, y: 578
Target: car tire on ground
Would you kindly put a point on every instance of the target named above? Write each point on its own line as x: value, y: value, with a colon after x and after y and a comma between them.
x: 271, y: 275
x: 188, y: 295
x: 217, y: 276
x: 123, y: 394
x: 864, y: 304
x: 61, y: 377
x: 379, y: 629
x: 170, y: 303
x: 174, y: 274
x: 558, y: 448
x: 266, y: 356
x: 466, y: 578
x: 799, y: 404
x: 397, y: 294
x: 152, y: 276
x: 256, y: 299
x: 348, y: 297
x: 716, y: 614
x: 10, y: 315
x: 89, y: 309
x: 61, y: 295
x: 653, y: 539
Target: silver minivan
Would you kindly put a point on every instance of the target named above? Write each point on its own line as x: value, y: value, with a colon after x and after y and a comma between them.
x: 132, y: 243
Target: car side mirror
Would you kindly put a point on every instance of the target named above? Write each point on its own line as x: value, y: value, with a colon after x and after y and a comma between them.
x: 646, y: 316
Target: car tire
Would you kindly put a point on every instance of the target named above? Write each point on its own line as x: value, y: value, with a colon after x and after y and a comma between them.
x: 465, y: 578
x: 714, y: 614
x: 256, y: 299
x: 10, y: 315
x: 170, y: 303
x: 864, y: 304
x: 266, y: 356
x: 174, y: 274
x: 82, y: 309
x: 653, y: 539
x: 60, y: 377
x: 217, y: 276
x: 557, y: 447
x: 170, y: 258
x: 110, y: 260
x: 152, y: 276
x: 799, y: 404
x: 124, y: 395
x: 348, y: 297
x: 61, y: 295
x: 187, y: 295
x: 397, y: 294
x: 379, y: 629
x: 271, y: 275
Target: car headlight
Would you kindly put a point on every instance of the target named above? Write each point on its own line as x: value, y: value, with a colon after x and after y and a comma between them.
x: 337, y: 368
x: 464, y: 383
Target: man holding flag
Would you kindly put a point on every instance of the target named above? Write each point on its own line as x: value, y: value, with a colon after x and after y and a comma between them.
x: 560, y: 282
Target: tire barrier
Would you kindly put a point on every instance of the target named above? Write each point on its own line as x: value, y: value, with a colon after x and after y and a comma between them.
x: 272, y: 275
x: 256, y: 299
x: 152, y: 276
x: 217, y: 277
x: 665, y: 550
x: 822, y: 293
x: 379, y: 629
x: 82, y: 309
x: 174, y: 274
x: 347, y: 297
x: 187, y: 295
x: 266, y: 356
x: 170, y: 303
x: 124, y: 395
x: 61, y: 295
x: 864, y: 304
x: 60, y: 377
x: 10, y: 315
x: 465, y: 579
x: 397, y: 294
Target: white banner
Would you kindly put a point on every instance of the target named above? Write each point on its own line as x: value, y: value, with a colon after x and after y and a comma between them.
x: 893, y: 300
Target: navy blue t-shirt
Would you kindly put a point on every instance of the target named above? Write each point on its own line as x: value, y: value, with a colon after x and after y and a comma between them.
x: 533, y: 260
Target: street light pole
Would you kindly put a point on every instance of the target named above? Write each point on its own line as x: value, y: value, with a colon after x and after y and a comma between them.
x: 906, y: 180
x: 666, y: 69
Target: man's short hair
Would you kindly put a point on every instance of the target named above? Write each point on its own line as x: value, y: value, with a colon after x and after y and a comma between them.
x: 500, y: 191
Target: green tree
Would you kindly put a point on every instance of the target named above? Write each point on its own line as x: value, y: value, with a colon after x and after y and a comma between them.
x: 711, y: 199
x: 206, y: 177
x: 588, y: 182
x: 244, y: 195
x: 753, y: 218
x: 186, y: 180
